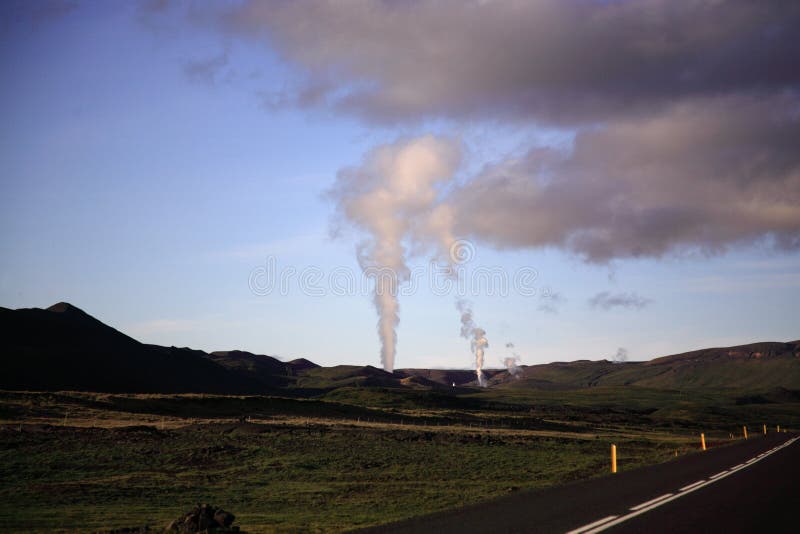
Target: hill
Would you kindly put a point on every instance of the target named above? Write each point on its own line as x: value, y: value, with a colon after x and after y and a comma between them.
x: 449, y: 377
x: 754, y: 366
x: 268, y: 371
x: 347, y: 376
x: 64, y: 348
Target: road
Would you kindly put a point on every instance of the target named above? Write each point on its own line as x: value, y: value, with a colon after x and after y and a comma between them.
x: 751, y: 486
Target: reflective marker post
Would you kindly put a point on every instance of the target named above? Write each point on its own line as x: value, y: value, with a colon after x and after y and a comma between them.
x: 613, y: 458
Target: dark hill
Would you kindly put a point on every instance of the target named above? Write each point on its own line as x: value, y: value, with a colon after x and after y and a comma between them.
x: 301, y: 364
x: 346, y: 376
x: 63, y: 347
x: 267, y: 370
x: 448, y: 377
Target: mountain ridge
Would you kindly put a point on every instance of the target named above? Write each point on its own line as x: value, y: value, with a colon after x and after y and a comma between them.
x: 63, y: 347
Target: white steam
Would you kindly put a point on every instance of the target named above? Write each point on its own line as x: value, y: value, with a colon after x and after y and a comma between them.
x: 477, y: 337
x: 621, y: 356
x: 512, y: 362
x: 392, y: 198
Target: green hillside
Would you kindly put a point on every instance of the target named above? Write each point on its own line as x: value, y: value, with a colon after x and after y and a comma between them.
x: 749, y: 367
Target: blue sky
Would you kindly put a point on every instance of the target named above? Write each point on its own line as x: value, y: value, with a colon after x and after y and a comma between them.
x: 147, y: 195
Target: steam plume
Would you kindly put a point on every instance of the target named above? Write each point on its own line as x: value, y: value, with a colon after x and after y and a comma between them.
x: 621, y: 355
x: 392, y: 198
x: 512, y: 362
x: 476, y: 335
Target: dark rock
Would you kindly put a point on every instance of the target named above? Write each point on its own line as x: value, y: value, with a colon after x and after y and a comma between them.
x: 223, y: 518
x: 204, y: 518
x: 204, y: 522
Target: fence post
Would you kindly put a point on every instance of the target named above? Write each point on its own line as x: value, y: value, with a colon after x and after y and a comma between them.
x: 613, y: 458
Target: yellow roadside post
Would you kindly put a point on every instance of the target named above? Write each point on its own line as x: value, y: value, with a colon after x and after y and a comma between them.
x: 613, y: 458
x: 744, y: 430
x: 765, y: 430
x: 703, y: 440
x: 779, y: 428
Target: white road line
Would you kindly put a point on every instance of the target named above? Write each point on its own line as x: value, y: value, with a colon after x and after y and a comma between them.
x: 736, y: 467
x: 593, y: 525
x: 610, y: 521
x: 652, y: 501
x: 751, y: 460
x: 690, y: 486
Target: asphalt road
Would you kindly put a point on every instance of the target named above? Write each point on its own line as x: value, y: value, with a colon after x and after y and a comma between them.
x: 729, y: 489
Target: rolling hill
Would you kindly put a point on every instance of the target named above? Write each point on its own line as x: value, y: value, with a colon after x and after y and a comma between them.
x: 64, y: 348
x: 753, y: 366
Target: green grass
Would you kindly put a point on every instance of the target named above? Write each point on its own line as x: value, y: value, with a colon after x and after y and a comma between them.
x: 357, y: 457
x: 693, y: 373
x: 277, y: 477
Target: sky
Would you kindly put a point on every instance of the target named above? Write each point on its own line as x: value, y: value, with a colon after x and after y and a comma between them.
x: 220, y: 175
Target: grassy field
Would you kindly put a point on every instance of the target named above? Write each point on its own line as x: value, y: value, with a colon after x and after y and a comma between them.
x: 357, y: 457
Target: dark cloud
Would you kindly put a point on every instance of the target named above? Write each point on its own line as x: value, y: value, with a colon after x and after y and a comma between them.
x: 703, y: 175
x: 607, y: 301
x: 686, y: 114
x: 206, y: 70
x: 563, y: 61
x: 550, y: 301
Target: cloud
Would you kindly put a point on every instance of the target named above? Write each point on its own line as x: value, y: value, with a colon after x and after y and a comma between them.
x: 607, y: 301
x: 685, y: 115
x: 703, y: 175
x: 206, y: 70
x: 550, y: 301
x: 557, y: 61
